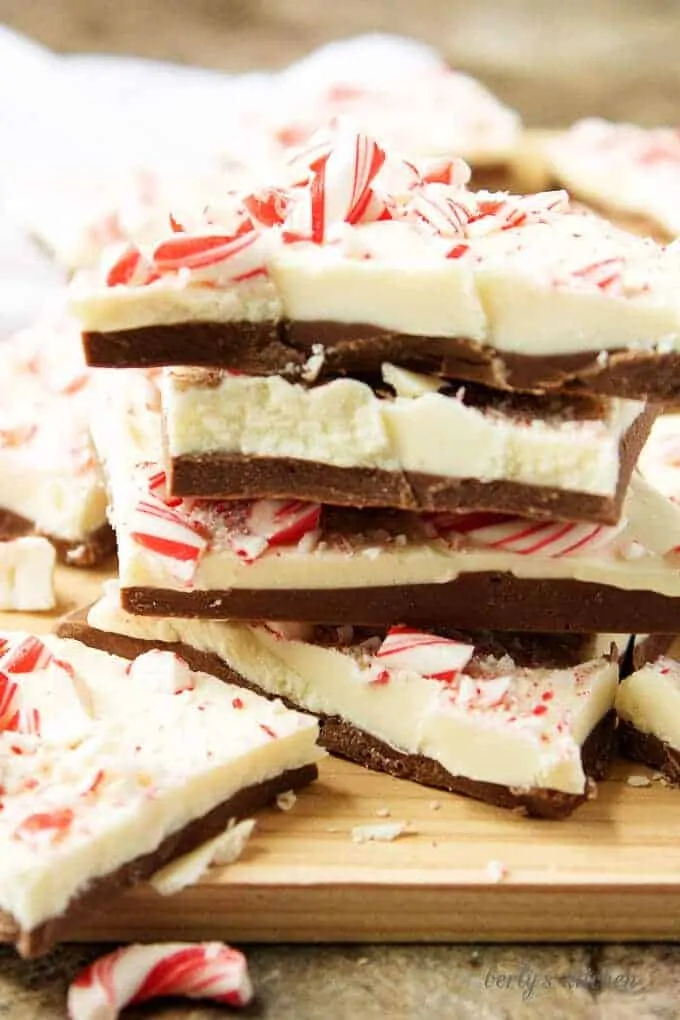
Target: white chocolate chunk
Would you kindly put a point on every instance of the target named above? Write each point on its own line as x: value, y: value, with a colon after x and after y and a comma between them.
x: 27, y: 574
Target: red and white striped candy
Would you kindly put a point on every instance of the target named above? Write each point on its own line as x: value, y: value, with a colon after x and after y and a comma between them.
x: 519, y: 535
x: 517, y: 211
x: 164, y: 671
x: 446, y: 214
x: 341, y: 187
x: 282, y: 522
x: 163, y: 530
x: 445, y: 170
x: 210, y: 970
x: 268, y: 206
x: 131, y: 269
x: 9, y: 702
x: 428, y: 654
x: 158, y: 487
x: 239, y: 257
x: 27, y: 655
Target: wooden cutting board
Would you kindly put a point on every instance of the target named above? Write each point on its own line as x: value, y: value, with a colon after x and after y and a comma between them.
x: 610, y: 873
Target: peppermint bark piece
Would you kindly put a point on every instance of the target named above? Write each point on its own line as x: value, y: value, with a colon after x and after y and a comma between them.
x: 272, y: 559
x: 516, y: 721
x: 648, y: 707
x: 630, y: 174
x: 369, y: 258
x: 347, y: 442
x: 51, y: 483
x: 110, y: 769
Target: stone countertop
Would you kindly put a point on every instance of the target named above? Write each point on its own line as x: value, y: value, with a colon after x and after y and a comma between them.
x: 401, y: 982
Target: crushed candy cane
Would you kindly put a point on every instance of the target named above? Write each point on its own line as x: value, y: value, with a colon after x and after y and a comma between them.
x: 133, y: 974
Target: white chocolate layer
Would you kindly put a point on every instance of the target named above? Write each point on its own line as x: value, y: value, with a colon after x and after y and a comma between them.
x: 27, y: 575
x: 124, y: 760
x: 650, y: 700
x: 345, y: 424
x: 511, y: 743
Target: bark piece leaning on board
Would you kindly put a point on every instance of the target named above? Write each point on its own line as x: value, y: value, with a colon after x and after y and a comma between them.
x: 87, y: 737
x: 517, y: 721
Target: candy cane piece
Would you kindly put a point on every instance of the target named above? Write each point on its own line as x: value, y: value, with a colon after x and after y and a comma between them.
x: 427, y: 654
x: 239, y: 257
x: 268, y: 206
x: 133, y: 974
x: 340, y: 188
x: 9, y: 702
x: 158, y: 488
x: 131, y: 269
x: 282, y: 522
x: 444, y: 170
x: 447, y: 215
x: 164, y: 531
x: 519, y: 535
x: 27, y: 656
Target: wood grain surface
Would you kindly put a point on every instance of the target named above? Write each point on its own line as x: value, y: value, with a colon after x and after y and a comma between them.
x: 611, y: 872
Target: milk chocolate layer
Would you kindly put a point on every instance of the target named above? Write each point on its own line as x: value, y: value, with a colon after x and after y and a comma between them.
x: 346, y: 740
x: 98, y: 895
x: 282, y: 349
x: 648, y: 749
x: 485, y: 600
x: 235, y: 476
x: 89, y: 551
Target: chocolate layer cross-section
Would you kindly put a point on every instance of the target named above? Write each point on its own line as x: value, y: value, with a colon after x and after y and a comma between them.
x: 111, y: 768
x: 648, y: 706
x: 51, y: 483
x: 361, y: 257
x: 272, y: 559
x: 408, y: 441
x: 515, y: 721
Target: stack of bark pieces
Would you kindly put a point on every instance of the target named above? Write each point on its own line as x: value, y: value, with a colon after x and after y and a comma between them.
x: 399, y: 422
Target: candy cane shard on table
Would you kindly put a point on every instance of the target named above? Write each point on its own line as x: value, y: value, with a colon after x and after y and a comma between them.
x: 134, y: 974
x: 234, y: 435
x: 418, y: 704
x: 629, y: 173
x: 50, y: 480
x: 90, y: 788
x: 368, y: 260
x: 27, y: 574
x: 648, y: 707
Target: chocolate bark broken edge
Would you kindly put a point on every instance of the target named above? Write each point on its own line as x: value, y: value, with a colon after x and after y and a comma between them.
x: 348, y: 741
x: 282, y: 348
x: 236, y: 476
x: 89, y: 551
x: 485, y: 600
x: 649, y: 750
x: 41, y: 939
